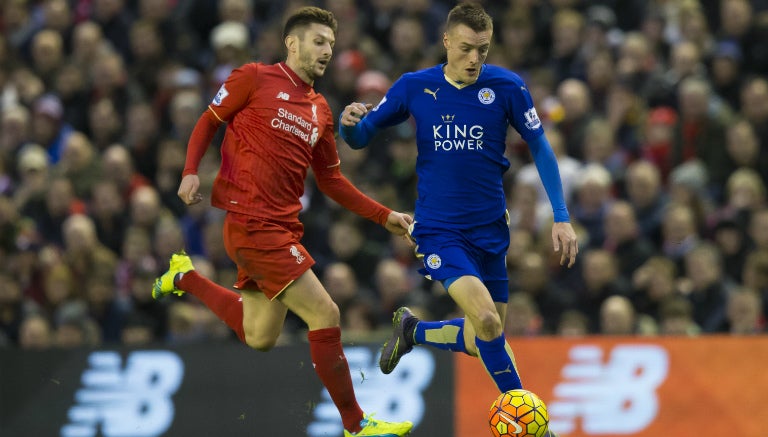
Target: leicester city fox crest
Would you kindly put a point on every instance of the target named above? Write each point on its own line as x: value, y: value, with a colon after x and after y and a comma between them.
x: 486, y: 96
x: 434, y: 261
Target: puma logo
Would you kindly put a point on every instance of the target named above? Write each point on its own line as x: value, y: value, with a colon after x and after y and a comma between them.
x: 507, y: 370
x: 432, y: 93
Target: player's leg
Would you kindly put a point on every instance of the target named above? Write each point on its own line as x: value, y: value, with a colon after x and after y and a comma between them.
x: 263, y: 320
x: 181, y: 277
x: 311, y: 302
x: 445, y: 259
x: 481, y: 313
x: 470, y: 334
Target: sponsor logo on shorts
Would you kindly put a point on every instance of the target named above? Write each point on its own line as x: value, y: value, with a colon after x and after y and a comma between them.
x: 434, y: 262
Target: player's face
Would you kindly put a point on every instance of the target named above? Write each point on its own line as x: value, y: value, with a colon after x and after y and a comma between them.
x: 466, y: 52
x: 315, y: 50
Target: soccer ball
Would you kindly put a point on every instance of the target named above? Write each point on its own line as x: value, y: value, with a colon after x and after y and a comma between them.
x: 518, y: 413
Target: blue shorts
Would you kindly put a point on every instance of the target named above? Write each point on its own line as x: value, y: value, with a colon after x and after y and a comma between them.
x: 481, y: 251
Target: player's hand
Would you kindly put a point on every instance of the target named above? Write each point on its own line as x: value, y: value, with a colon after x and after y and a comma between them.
x: 188, y: 189
x: 564, y: 240
x: 398, y: 223
x: 354, y: 112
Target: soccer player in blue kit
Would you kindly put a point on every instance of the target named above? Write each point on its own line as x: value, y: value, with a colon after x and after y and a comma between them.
x: 462, y: 111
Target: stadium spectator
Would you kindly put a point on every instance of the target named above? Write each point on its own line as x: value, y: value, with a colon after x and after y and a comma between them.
x: 623, y: 238
x: 676, y: 318
x: 531, y: 278
x: 12, y: 306
x: 523, y: 317
x: 652, y: 284
x: 706, y: 286
x: 645, y: 193
x: 573, y: 323
x: 618, y: 317
x: 35, y: 333
x: 600, y: 280
x: 592, y: 197
x: 79, y: 163
x: 574, y: 96
x: 744, y: 312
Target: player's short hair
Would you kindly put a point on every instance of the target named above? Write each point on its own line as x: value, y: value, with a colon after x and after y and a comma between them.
x: 471, y: 15
x: 305, y: 16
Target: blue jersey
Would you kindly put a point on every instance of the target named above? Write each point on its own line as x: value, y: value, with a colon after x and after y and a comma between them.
x: 461, y: 135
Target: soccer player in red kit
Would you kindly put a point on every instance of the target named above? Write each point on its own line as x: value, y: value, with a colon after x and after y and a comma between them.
x: 277, y: 127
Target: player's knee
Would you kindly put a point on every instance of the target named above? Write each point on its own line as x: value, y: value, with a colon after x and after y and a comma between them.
x: 489, y: 324
x: 260, y: 342
x: 322, y: 315
x: 328, y: 313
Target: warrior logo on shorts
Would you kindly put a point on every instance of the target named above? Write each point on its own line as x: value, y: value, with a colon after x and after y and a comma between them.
x: 434, y: 262
x: 299, y: 257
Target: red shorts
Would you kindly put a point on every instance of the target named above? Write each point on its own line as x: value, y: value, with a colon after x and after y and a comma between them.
x: 268, y: 255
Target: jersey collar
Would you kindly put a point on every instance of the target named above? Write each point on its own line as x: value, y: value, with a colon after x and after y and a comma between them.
x: 460, y: 85
x: 294, y: 78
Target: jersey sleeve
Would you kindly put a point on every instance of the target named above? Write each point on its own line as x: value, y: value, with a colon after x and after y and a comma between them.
x: 234, y: 92
x: 521, y: 112
x: 391, y: 110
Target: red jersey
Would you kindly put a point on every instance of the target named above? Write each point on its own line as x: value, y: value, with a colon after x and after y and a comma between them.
x: 277, y: 127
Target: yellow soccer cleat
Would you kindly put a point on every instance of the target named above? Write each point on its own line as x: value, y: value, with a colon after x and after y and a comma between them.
x: 165, y: 284
x: 378, y: 428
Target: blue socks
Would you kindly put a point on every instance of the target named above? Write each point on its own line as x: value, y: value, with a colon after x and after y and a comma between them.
x: 446, y: 334
x: 497, y: 357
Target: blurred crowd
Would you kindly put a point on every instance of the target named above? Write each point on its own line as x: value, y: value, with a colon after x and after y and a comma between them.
x: 657, y: 111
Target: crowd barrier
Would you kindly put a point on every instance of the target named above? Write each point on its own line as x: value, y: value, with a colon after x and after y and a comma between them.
x: 593, y: 386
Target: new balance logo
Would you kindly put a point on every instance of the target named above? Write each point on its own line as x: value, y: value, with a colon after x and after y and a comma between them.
x: 398, y: 396
x: 134, y: 400
x: 432, y: 93
x: 283, y: 96
x: 617, y: 396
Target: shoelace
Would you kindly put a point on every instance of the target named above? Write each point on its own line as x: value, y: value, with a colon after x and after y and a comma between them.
x: 369, y: 420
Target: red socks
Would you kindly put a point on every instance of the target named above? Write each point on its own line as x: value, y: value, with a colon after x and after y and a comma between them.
x: 324, y: 344
x: 332, y: 368
x: 225, y: 303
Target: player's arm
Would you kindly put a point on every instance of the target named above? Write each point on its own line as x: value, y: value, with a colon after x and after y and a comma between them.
x: 231, y: 97
x: 549, y: 172
x: 336, y: 186
x: 356, y: 130
x: 359, y: 122
x: 529, y: 126
x: 327, y: 170
x: 201, y: 137
x: 562, y: 231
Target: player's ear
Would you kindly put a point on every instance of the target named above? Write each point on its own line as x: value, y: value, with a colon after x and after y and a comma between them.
x: 446, y: 41
x: 291, y: 42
